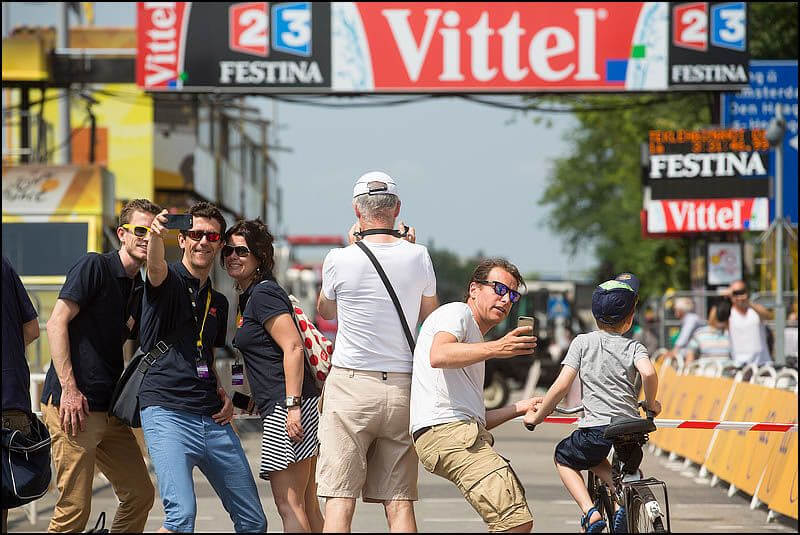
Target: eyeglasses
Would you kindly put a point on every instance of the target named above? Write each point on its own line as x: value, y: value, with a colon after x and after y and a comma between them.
x: 140, y: 231
x: 739, y: 292
x: 240, y: 250
x: 197, y: 235
x: 501, y: 290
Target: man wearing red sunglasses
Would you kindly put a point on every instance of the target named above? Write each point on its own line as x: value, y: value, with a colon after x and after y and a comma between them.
x: 184, y: 408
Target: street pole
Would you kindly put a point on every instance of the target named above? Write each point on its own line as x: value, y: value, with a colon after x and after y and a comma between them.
x: 780, y: 312
x: 63, y: 102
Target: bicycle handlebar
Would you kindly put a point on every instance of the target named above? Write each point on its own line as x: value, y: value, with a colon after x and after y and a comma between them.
x: 650, y: 414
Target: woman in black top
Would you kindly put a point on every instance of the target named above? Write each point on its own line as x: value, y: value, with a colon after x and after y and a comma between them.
x: 283, y: 389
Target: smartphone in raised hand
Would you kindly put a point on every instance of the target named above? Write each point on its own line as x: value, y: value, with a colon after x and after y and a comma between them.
x: 179, y: 221
x: 527, y: 321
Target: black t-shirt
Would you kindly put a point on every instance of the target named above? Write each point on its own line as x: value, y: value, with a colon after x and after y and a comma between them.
x: 101, y: 288
x: 17, y: 310
x: 173, y: 380
x: 263, y: 356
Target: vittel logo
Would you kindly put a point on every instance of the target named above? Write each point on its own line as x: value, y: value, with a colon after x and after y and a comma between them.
x: 162, y: 22
x: 542, y: 47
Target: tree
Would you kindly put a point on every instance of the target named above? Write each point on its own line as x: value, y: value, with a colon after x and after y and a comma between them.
x: 595, y: 192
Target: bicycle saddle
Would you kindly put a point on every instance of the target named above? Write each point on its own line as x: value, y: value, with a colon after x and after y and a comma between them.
x: 628, y: 426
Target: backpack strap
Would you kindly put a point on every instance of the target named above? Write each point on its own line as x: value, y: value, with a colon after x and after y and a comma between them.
x: 392, y: 294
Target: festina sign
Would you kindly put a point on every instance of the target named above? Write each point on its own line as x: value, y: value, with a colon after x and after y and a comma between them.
x: 703, y: 164
x: 708, y: 44
x: 707, y: 215
x: 233, y: 46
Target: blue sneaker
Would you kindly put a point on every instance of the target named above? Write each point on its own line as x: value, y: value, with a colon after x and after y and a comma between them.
x: 620, y: 523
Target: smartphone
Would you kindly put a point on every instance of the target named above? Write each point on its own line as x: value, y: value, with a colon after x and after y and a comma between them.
x: 179, y: 221
x: 241, y: 401
x: 527, y: 321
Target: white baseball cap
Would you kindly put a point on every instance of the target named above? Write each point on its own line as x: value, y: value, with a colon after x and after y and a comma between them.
x: 375, y: 183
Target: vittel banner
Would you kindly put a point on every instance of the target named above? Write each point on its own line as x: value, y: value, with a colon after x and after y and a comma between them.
x: 707, y: 215
x: 428, y: 47
x: 245, y: 46
x: 499, y: 46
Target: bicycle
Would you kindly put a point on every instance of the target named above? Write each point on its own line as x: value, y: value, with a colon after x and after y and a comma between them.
x: 643, y: 511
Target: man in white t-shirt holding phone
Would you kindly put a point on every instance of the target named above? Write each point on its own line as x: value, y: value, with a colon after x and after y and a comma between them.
x: 365, y: 445
x: 449, y: 422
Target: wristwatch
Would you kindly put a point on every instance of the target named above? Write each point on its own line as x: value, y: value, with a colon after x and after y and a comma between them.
x: 293, y: 401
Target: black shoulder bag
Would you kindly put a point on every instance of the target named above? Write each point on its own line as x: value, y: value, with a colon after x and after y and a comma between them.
x: 392, y: 294
x: 125, y: 400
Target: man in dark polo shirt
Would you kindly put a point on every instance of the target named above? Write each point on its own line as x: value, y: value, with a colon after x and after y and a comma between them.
x: 20, y: 328
x: 184, y: 409
x: 96, y: 311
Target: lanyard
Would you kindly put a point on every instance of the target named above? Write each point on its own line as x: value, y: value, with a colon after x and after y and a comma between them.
x: 202, y: 326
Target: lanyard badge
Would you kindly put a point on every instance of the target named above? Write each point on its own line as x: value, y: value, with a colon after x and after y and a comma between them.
x: 202, y: 366
x: 237, y: 373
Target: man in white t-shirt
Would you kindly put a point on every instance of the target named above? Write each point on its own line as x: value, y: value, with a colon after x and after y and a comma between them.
x: 449, y: 422
x: 365, y: 445
x: 746, y: 327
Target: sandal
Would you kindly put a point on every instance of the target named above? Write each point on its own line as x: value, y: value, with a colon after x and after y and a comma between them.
x: 594, y: 527
x: 620, y: 523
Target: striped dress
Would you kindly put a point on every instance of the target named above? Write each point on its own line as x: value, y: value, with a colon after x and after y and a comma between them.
x: 278, y: 451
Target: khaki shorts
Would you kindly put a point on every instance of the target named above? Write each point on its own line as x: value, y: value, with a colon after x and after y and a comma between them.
x: 365, y: 447
x: 462, y: 452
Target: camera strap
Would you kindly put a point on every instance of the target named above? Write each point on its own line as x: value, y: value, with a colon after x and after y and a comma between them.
x: 389, y: 231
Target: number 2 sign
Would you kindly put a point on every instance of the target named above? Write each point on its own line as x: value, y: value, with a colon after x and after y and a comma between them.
x: 248, y: 28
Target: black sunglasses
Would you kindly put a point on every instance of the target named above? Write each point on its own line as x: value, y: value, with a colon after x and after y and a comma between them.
x: 240, y: 250
x: 739, y: 292
x: 501, y: 290
x: 197, y: 235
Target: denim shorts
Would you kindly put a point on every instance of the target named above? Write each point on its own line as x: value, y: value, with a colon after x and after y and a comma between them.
x: 177, y: 442
x: 584, y: 448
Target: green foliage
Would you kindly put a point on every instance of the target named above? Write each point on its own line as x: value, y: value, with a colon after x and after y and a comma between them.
x: 452, y: 273
x: 773, y: 30
x: 595, y: 192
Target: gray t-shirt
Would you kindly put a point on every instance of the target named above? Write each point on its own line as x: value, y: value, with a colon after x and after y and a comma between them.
x: 605, y: 365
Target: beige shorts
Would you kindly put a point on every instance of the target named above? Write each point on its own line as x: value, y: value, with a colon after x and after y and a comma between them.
x: 365, y: 447
x: 462, y: 452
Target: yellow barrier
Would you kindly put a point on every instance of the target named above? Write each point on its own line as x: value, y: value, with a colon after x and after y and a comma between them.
x: 667, y: 393
x: 726, y: 455
x: 782, y: 460
x: 707, y: 397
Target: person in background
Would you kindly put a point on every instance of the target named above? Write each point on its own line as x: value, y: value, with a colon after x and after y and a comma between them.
x: 281, y: 384
x: 20, y: 328
x: 712, y: 340
x: 690, y: 322
x: 746, y: 327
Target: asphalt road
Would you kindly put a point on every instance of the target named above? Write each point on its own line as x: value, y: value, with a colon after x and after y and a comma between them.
x: 695, y: 506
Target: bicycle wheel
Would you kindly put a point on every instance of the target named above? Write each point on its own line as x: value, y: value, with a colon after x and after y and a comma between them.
x: 600, y: 496
x: 645, y: 513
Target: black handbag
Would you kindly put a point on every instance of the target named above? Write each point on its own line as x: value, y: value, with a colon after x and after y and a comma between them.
x: 125, y: 400
x: 26, y: 464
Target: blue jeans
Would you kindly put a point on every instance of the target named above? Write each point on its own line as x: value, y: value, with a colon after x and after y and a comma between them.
x: 177, y: 442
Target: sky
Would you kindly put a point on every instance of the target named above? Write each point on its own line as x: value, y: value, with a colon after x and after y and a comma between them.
x: 470, y: 176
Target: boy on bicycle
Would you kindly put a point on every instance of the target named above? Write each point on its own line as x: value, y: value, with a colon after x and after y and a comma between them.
x: 606, y: 363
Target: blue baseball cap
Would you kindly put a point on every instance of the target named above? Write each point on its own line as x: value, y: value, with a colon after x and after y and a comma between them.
x: 614, y: 299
